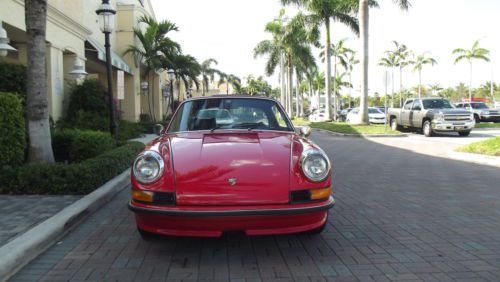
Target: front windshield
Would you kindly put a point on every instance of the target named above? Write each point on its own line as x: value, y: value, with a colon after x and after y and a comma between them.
x: 437, y: 104
x: 374, y: 111
x: 479, y: 106
x: 229, y: 113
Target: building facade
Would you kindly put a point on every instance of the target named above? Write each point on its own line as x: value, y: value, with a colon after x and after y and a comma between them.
x: 74, y: 38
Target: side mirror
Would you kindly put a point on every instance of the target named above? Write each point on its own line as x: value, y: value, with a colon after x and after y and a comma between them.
x: 304, y: 131
x: 158, y: 129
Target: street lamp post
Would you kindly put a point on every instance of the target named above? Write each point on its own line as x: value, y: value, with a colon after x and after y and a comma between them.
x: 106, y: 15
x: 171, y: 77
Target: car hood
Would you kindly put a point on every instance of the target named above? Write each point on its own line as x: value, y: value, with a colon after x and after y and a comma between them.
x: 231, y: 167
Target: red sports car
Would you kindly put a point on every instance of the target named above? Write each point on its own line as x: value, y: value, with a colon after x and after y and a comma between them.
x: 231, y: 163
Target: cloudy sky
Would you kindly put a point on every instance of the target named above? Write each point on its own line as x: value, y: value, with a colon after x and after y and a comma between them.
x: 228, y: 30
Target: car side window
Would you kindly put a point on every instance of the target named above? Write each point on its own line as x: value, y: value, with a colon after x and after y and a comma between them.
x: 417, y: 105
x: 407, y: 105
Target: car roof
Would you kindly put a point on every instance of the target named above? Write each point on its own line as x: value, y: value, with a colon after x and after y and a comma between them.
x: 231, y: 96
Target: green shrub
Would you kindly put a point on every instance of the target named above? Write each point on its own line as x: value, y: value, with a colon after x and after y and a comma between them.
x: 13, y: 79
x: 12, y: 130
x: 77, y: 145
x: 89, y: 98
x: 128, y: 130
x: 74, y: 179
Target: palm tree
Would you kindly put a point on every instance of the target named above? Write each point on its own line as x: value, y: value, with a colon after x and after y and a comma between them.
x: 469, y: 55
x: 351, y: 62
x: 319, y: 86
x: 229, y: 79
x: 364, y: 16
x: 402, y: 54
x: 340, y: 54
x: 186, y: 69
x: 420, y: 61
x: 435, y: 88
x: 390, y: 61
x: 207, y: 73
x: 37, y: 104
x: 156, y: 49
x: 322, y: 12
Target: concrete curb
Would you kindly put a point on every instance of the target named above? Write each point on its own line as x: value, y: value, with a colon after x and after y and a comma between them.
x: 360, y: 135
x: 475, y: 158
x: 18, y: 252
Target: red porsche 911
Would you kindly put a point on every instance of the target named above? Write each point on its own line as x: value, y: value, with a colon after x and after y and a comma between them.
x: 231, y: 163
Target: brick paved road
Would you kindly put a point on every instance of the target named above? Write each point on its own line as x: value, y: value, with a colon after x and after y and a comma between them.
x: 20, y: 213
x: 399, y: 216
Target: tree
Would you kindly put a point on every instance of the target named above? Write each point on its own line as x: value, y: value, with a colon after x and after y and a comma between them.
x: 154, y: 50
x: 475, y: 53
x: 364, y: 16
x: 37, y: 104
x: 435, y: 88
x: 340, y: 54
x: 230, y: 79
x: 402, y: 54
x: 186, y: 69
x: 351, y: 62
x: 322, y: 12
x: 207, y: 73
x: 420, y: 61
x: 390, y: 61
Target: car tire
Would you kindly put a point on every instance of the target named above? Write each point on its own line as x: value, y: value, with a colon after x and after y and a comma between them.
x: 427, y: 128
x: 394, y: 124
x: 477, y: 119
x: 464, y: 133
x: 146, y: 236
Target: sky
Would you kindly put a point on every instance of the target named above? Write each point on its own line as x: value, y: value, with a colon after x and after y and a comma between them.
x: 228, y: 30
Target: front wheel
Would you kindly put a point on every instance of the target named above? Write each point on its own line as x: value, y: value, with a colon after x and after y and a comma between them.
x: 477, y: 119
x: 427, y: 128
x: 394, y: 124
x: 464, y: 133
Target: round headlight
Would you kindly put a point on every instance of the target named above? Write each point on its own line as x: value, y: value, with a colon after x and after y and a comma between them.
x: 148, y: 167
x: 315, y: 165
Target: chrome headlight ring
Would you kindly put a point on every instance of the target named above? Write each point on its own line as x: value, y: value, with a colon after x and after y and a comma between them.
x: 148, y: 167
x: 315, y: 165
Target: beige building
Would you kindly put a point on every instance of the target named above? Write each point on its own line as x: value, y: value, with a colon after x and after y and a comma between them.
x: 73, y: 36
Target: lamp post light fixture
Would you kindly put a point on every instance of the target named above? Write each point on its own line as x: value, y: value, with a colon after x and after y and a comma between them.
x: 4, y: 42
x: 78, y: 70
x: 171, y: 77
x: 144, y: 87
x: 106, y: 15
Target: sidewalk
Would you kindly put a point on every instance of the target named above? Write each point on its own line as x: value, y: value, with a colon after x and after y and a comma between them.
x: 26, y: 218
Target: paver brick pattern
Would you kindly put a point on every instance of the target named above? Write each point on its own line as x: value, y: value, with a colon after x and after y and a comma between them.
x: 399, y: 216
x: 20, y: 213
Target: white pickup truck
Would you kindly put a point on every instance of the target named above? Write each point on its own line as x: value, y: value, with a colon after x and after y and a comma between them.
x: 431, y: 115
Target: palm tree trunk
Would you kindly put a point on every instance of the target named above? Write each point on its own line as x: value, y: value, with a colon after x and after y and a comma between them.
x: 297, y: 95
x: 328, y: 103
x: 153, y: 97
x: 470, y: 82
x: 392, y: 85
x: 148, y: 97
x: 363, y: 31
x: 400, y: 86
x: 335, y: 98
x: 283, y: 83
x: 37, y: 111
x: 420, y: 84
x: 290, y: 87
x: 311, y: 94
x: 203, y: 88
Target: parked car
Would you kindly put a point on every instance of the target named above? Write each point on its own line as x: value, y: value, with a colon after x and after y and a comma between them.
x: 382, y: 109
x: 202, y: 178
x: 343, y: 114
x: 374, y: 116
x: 481, y: 111
x: 431, y: 115
x: 318, y: 116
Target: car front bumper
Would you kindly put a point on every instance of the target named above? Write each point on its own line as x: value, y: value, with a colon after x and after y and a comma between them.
x: 208, y: 221
x: 448, y: 126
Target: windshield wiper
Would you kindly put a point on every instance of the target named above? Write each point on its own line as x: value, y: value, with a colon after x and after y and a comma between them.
x: 217, y: 127
x: 248, y: 125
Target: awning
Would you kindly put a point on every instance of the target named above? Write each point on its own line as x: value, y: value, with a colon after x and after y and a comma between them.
x: 116, y: 60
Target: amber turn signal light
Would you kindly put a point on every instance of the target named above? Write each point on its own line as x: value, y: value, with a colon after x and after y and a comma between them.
x: 142, y: 196
x: 322, y: 193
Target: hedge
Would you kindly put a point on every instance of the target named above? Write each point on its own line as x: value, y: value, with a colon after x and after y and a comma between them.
x: 13, y: 79
x: 71, y: 179
x: 88, y: 97
x: 77, y: 145
x: 12, y: 130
